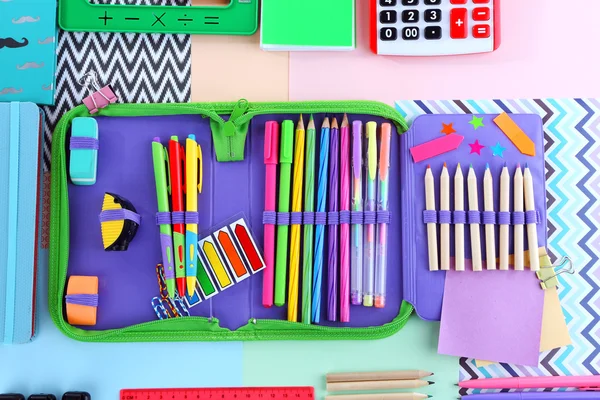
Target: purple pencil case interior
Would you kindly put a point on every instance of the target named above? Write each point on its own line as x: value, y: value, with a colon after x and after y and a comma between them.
x: 232, y: 142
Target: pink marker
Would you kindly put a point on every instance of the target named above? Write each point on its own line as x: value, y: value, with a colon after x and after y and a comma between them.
x: 345, y: 224
x: 271, y: 160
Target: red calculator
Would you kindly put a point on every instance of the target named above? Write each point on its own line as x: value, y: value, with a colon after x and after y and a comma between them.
x: 434, y: 27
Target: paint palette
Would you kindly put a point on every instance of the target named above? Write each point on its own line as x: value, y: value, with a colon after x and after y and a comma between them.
x: 226, y: 257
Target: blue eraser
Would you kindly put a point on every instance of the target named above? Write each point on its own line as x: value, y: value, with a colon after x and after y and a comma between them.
x: 83, y: 164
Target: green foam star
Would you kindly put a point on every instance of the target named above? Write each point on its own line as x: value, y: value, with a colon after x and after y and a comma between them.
x: 477, y: 122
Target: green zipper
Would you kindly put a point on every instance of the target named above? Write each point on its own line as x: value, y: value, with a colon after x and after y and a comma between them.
x: 196, y: 328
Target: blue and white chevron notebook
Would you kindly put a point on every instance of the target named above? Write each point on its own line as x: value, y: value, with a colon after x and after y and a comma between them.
x: 20, y: 136
x: 28, y: 50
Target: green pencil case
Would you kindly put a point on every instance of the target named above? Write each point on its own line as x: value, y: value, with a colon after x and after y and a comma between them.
x: 232, y: 139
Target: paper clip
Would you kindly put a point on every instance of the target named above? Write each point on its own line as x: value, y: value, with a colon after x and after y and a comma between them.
x: 548, y: 276
x: 98, y: 97
x: 164, y: 306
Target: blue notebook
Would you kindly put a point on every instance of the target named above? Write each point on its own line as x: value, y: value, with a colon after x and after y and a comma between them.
x: 28, y: 37
x: 20, y: 172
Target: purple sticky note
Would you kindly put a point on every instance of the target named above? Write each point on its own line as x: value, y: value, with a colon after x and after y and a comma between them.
x: 492, y: 315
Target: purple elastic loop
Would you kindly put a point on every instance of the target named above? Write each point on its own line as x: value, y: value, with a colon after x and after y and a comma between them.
x: 357, y: 217
x: 489, y: 218
x: 178, y: 217
x: 163, y: 218
x: 191, y: 217
x: 83, y: 143
x: 296, y: 218
x: 82, y: 299
x: 430, y: 217
x: 370, y: 217
x: 459, y: 217
x: 344, y: 217
x: 283, y: 218
x: 503, y: 218
x: 474, y: 217
x: 531, y: 217
x: 269, y: 217
x: 518, y: 218
x: 308, y: 218
x: 320, y: 218
x: 445, y: 217
x: 119, y: 215
x: 333, y: 218
x: 384, y: 217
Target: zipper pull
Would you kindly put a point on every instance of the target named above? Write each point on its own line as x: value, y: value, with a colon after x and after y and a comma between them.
x: 239, y: 110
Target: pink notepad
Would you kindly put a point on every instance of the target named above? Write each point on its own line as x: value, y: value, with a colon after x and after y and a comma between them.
x: 492, y: 315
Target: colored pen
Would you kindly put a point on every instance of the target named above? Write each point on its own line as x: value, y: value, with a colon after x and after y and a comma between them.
x: 320, y: 227
x: 271, y: 158
x: 533, y: 382
x: 573, y: 395
x: 286, y: 155
x: 309, y: 206
x: 369, y: 240
x: 383, y: 180
x: 295, y: 227
x: 356, y: 259
x: 176, y: 165
x: 159, y: 159
x: 345, y: 225
x: 193, y: 185
x: 332, y: 229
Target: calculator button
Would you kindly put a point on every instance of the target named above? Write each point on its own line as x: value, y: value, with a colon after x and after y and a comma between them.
x: 458, y: 23
x: 458, y: 1
x: 433, y: 32
x: 433, y: 15
x: 388, y: 34
x: 481, y: 31
x: 410, y: 16
x: 481, y: 14
x: 388, y: 17
x: 390, y: 3
x: 433, y: 2
x: 481, y: 1
x: 410, y: 2
x: 410, y: 33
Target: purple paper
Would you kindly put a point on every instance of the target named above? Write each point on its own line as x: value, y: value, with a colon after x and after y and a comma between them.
x: 492, y: 315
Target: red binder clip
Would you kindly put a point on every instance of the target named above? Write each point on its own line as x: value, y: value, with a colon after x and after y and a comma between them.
x: 98, y: 97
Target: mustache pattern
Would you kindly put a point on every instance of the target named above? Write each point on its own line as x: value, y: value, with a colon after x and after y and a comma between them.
x: 12, y: 43
x: 49, y: 39
x: 10, y: 90
x: 24, y: 19
x: 47, y: 87
x: 30, y: 65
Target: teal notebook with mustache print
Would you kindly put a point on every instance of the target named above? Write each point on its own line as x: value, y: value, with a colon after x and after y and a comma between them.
x: 28, y: 36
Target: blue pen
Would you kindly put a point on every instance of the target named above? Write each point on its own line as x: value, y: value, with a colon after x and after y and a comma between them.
x: 320, y: 228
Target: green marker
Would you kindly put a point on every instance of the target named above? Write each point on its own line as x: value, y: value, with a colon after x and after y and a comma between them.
x: 309, y: 206
x: 160, y: 161
x: 286, y: 156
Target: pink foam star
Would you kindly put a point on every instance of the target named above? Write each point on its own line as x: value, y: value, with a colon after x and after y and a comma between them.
x: 476, y: 147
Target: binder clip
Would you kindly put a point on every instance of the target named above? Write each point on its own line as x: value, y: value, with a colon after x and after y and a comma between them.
x: 548, y: 275
x: 98, y: 97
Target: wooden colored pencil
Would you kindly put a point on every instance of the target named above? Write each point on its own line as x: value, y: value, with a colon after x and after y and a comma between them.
x: 459, y: 228
x: 379, y: 396
x: 532, y: 238
x: 488, y: 205
x: 504, y: 207
x: 518, y: 239
x: 444, y: 227
x: 345, y: 227
x: 474, y: 206
x: 377, y: 376
x: 309, y: 206
x: 431, y: 227
x: 376, y: 385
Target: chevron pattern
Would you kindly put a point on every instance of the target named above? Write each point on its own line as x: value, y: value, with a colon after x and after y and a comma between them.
x: 572, y: 149
x: 141, y: 68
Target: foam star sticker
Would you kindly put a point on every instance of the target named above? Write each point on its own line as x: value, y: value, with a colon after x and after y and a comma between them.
x: 448, y: 129
x: 476, y: 147
x: 498, y: 150
x: 477, y: 122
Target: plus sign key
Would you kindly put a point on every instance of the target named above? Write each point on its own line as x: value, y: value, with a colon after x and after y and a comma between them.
x: 458, y: 23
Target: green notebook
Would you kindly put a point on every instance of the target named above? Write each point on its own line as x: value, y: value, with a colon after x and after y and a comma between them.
x: 307, y: 25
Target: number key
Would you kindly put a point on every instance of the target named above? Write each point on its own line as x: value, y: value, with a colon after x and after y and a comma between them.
x: 410, y: 2
x: 384, y: 3
x: 409, y: 16
x: 410, y: 33
x: 388, y: 17
x: 433, y: 2
x: 433, y: 15
x: 388, y: 34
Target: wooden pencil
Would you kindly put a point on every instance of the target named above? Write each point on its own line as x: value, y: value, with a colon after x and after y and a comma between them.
x: 518, y: 228
x: 504, y: 207
x: 377, y: 376
x: 379, y: 396
x: 444, y: 227
x: 532, y: 238
x: 432, y: 226
x: 459, y: 228
x: 376, y: 385
x: 488, y: 205
x: 474, y: 206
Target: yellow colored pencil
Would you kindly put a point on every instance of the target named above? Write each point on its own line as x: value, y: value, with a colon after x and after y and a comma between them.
x: 295, y: 234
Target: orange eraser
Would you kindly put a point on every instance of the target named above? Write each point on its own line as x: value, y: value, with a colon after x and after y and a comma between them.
x: 515, y: 134
x: 82, y: 300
